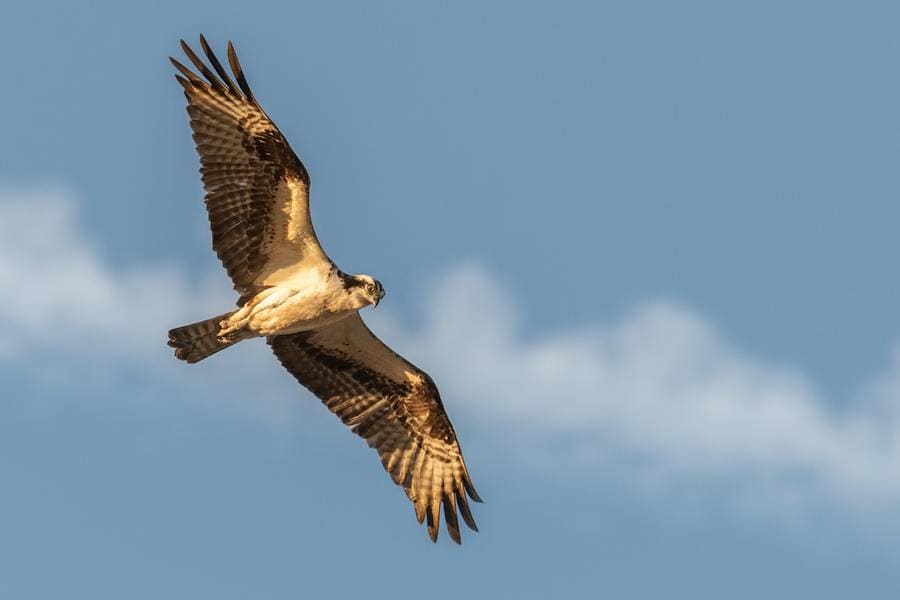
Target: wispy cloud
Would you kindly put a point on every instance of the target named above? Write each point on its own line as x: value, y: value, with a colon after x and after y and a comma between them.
x: 662, y: 395
x: 77, y: 328
x: 659, y: 395
x: 55, y: 288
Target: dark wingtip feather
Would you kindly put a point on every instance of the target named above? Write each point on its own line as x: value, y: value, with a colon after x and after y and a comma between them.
x: 420, y: 511
x: 434, y: 521
x: 465, y: 511
x: 214, y: 60
x: 191, y: 76
x: 454, y: 535
x: 201, y: 66
x: 450, y: 519
x: 470, y: 489
x: 239, y: 72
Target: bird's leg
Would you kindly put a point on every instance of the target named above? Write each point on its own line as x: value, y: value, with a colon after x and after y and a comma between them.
x: 237, y: 325
x: 229, y: 328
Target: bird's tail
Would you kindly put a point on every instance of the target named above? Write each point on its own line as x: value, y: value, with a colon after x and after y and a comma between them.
x: 199, y: 340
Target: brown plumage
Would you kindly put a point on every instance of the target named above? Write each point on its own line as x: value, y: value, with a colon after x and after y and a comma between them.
x: 199, y: 340
x: 257, y: 190
x: 257, y: 198
x: 394, y: 406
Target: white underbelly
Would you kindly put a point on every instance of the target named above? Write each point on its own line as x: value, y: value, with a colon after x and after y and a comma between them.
x: 323, y: 319
x: 289, y: 311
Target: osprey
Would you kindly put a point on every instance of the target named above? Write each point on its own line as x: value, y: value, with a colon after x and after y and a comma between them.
x: 291, y: 293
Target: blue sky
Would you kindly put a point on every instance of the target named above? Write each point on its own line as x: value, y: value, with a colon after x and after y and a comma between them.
x: 647, y: 249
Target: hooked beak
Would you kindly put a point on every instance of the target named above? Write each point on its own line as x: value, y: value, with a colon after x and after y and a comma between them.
x: 378, y: 299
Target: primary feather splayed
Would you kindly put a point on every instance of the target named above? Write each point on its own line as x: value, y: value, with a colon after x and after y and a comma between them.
x: 291, y: 293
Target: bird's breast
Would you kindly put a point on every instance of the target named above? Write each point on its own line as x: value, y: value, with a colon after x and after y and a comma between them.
x: 288, y: 309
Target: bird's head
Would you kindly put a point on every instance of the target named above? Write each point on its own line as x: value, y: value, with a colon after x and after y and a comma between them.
x: 363, y: 290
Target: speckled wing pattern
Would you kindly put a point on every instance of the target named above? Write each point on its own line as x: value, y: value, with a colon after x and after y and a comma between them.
x: 394, y: 406
x: 257, y: 190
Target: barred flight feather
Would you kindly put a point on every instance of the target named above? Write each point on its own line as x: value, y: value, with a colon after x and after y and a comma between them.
x: 257, y: 201
x: 368, y: 387
x: 255, y: 185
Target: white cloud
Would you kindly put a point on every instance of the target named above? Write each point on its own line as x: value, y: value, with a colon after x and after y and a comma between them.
x: 77, y: 327
x: 53, y: 278
x: 660, y: 394
x: 665, y: 395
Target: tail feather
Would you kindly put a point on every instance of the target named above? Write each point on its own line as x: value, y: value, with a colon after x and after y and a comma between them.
x: 199, y: 340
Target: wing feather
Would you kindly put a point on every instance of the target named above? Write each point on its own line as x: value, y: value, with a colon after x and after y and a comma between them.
x: 239, y: 72
x: 257, y: 190
x: 214, y: 61
x: 391, y: 404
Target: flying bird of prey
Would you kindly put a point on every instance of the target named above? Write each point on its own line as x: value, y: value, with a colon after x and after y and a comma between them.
x: 291, y: 293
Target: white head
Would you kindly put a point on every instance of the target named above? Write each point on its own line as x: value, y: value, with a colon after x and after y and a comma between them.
x: 362, y: 290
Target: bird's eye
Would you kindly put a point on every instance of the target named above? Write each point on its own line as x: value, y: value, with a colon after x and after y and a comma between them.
x: 370, y: 287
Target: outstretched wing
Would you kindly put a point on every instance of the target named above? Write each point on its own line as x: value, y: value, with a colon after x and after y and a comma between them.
x: 257, y: 190
x: 394, y: 406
